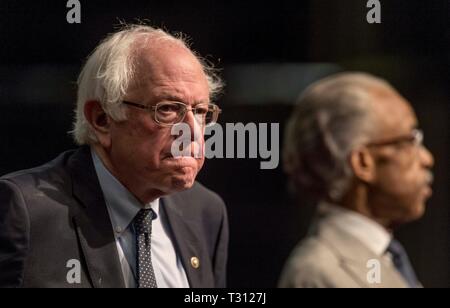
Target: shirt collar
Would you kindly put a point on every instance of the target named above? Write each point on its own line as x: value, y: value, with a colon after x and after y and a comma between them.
x: 367, y: 231
x: 121, y: 203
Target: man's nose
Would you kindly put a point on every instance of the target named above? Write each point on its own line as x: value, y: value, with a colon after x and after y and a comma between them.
x: 426, y: 158
x: 195, y: 125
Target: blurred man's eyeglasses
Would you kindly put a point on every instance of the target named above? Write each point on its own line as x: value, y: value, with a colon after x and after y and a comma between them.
x: 414, y: 138
x: 171, y: 113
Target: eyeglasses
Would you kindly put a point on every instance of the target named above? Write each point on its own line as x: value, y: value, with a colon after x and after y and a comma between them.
x: 414, y: 138
x: 171, y: 113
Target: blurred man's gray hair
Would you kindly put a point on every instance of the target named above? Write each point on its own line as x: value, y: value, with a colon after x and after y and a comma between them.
x: 111, y: 69
x: 333, y: 116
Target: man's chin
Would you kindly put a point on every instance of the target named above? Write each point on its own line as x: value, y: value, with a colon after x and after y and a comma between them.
x: 180, y: 183
x: 180, y: 180
x: 180, y: 174
x: 416, y: 212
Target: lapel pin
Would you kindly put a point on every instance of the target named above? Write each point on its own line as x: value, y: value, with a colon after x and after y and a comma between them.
x: 195, y: 262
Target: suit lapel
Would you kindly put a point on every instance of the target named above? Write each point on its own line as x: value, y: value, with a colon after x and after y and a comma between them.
x: 389, y: 278
x: 354, y: 256
x: 186, y: 241
x: 93, y: 224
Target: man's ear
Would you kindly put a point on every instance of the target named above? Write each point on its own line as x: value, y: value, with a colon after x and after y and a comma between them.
x: 99, y: 121
x: 363, y: 165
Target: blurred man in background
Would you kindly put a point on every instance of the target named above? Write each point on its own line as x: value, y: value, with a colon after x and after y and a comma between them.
x: 122, y: 210
x: 353, y: 142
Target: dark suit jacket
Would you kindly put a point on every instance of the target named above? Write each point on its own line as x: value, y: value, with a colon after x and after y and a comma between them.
x: 56, y: 212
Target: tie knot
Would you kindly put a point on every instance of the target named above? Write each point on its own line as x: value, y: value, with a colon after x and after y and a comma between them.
x: 143, y: 220
x: 402, y: 264
x: 396, y: 249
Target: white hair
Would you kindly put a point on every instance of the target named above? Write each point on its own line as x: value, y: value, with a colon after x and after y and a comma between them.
x: 111, y: 68
x: 333, y: 116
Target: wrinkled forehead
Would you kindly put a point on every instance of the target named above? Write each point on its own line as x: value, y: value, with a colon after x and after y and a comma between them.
x: 162, y: 58
x: 394, y: 114
x: 167, y: 70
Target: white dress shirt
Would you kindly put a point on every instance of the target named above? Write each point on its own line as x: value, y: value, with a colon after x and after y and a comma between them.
x: 373, y: 235
x: 122, y: 208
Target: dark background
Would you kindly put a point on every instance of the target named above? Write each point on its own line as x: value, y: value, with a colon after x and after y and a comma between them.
x: 269, y: 52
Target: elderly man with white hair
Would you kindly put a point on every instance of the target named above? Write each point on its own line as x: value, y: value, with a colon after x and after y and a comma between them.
x: 122, y: 210
x: 353, y: 142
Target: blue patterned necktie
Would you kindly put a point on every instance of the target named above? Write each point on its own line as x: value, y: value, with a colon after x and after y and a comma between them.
x: 144, y: 268
x: 402, y: 264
